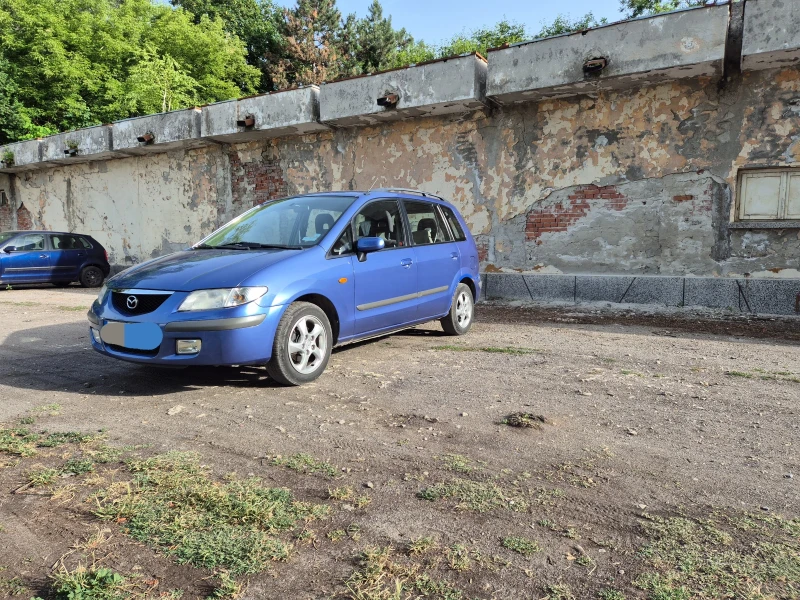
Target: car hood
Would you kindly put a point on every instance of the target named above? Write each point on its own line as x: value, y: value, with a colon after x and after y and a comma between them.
x: 191, y: 270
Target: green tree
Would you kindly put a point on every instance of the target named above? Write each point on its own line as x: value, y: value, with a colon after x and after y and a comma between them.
x: 563, y: 24
x: 638, y: 8
x: 378, y: 40
x: 413, y: 54
x: 480, y: 40
x: 76, y: 63
x: 309, y: 54
x: 12, y: 121
x: 255, y: 22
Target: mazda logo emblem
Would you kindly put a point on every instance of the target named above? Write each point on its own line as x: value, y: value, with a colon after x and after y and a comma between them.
x: 132, y: 302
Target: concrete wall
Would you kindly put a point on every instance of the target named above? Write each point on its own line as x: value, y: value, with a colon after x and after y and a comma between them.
x: 632, y: 182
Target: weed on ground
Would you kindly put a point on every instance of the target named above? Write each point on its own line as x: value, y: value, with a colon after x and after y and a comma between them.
x: 305, y: 463
x: 524, y: 419
x: 475, y: 495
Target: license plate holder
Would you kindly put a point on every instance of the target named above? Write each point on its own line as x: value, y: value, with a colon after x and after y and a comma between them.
x: 136, y: 336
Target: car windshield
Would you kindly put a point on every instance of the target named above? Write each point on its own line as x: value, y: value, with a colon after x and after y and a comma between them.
x: 6, y: 235
x: 297, y: 222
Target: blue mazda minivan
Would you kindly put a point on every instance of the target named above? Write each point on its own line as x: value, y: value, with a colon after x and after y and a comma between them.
x: 288, y: 280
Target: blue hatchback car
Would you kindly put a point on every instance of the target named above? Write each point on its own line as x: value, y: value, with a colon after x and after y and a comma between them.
x: 51, y: 257
x: 288, y: 280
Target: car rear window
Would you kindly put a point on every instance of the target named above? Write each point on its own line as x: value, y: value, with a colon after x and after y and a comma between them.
x: 455, y: 226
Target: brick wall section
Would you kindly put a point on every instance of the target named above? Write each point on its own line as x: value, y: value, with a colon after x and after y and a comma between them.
x: 560, y: 217
x: 6, y: 217
x: 257, y: 181
x: 24, y: 219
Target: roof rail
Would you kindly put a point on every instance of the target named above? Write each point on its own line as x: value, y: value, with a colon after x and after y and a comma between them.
x: 410, y: 191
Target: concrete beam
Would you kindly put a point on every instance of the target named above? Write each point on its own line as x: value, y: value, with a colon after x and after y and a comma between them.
x: 676, y: 45
x: 26, y: 156
x: 279, y: 114
x: 82, y: 145
x: 771, y: 34
x: 174, y: 130
x: 452, y: 85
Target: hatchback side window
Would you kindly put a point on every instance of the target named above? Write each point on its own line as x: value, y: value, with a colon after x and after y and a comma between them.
x: 65, y: 242
x: 455, y: 226
x: 380, y: 219
x: 344, y: 245
x: 84, y: 243
x: 32, y: 241
x: 426, y: 223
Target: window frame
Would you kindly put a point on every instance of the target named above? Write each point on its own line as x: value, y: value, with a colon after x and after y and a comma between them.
x: 436, y: 210
x: 45, y: 243
x: 352, y: 224
x: 783, y: 196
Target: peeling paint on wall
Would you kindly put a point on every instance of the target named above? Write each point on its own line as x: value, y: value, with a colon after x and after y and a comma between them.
x: 662, y: 159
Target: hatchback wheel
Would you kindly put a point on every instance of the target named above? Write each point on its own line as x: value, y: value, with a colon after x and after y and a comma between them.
x: 91, y: 277
x: 302, y: 346
x: 462, y: 309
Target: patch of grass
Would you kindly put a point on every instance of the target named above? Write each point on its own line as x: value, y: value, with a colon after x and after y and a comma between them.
x: 609, y: 594
x: 523, y: 419
x: 72, y: 308
x: 491, y: 349
x: 78, y: 466
x: 227, y: 587
x: 421, y: 545
x: 715, y: 558
x: 41, y: 477
x: 59, y: 438
x: 174, y: 505
x: 18, y: 441
x: 458, y: 557
x: 629, y: 372
x: 382, y: 575
x: 53, y: 408
x: 560, y: 591
x: 12, y: 587
x: 739, y: 374
x: 363, y: 501
x: 27, y: 421
x: 305, y: 463
x: 341, y: 493
x: 521, y: 545
x: 474, y: 495
x: 336, y: 535
x: 458, y: 463
x: 90, y: 584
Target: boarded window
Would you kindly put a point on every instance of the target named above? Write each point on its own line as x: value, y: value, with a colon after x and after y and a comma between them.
x: 772, y: 194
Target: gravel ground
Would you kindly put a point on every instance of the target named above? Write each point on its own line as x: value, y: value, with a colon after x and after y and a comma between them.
x: 663, y: 413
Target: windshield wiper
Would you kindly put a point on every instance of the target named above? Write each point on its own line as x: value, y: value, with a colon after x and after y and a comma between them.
x: 247, y: 246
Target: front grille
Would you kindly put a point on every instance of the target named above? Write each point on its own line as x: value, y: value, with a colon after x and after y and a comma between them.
x: 145, y: 302
x: 134, y: 351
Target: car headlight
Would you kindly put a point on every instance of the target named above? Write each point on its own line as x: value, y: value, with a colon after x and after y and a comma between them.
x: 224, y: 298
x: 102, y: 294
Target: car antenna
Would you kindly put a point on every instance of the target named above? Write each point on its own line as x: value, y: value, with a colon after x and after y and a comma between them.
x: 373, y: 184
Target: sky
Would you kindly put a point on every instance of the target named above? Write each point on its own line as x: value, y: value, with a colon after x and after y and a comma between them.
x: 438, y: 20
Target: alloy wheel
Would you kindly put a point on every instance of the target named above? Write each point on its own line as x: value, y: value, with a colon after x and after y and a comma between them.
x: 307, y: 345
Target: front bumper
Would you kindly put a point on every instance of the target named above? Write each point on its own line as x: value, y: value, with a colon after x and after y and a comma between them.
x: 240, y: 340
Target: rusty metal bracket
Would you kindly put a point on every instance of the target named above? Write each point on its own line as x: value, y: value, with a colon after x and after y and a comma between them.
x: 247, y: 122
x: 389, y: 100
x: 147, y: 138
x: 593, y: 66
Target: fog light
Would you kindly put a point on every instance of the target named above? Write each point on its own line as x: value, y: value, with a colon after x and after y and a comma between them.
x: 187, y: 346
x: 95, y: 335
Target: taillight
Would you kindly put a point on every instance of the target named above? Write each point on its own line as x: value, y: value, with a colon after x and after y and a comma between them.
x: 106, y: 253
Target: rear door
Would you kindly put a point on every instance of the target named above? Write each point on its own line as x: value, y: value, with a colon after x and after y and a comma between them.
x: 438, y: 260
x: 29, y: 262
x: 386, y: 281
x: 67, y: 254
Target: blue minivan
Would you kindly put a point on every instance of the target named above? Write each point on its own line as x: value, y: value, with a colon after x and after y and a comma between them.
x: 288, y: 280
x: 51, y: 257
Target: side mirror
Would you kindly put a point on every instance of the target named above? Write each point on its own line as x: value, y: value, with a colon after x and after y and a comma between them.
x: 366, y: 245
x: 9, y: 249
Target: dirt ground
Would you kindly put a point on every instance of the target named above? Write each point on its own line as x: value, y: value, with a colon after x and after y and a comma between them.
x: 646, y: 415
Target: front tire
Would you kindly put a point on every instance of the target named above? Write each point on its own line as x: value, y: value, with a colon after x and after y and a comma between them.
x: 302, y: 346
x: 91, y: 277
x: 462, y: 312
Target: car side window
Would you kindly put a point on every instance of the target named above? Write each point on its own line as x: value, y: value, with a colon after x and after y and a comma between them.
x: 344, y: 245
x: 455, y: 225
x: 65, y: 242
x: 380, y: 219
x: 84, y: 243
x: 32, y: 241
x: 426, y: 223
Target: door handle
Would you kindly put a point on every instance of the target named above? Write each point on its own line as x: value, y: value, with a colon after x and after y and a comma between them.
x: 43, y: 256
x: 454, y: 255
x: 406, y: 262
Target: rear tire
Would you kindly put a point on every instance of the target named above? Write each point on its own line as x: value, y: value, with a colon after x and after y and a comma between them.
x: 302, y: 346
x: 91, y: 277
x: 462, y: 312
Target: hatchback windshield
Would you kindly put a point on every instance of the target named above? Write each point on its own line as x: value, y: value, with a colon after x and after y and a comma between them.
x: 290, y: 223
